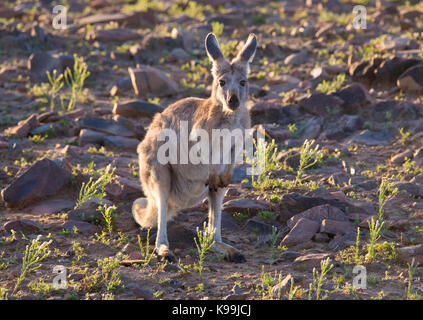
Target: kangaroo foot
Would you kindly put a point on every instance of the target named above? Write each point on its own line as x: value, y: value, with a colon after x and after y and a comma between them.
x: 164, y: 254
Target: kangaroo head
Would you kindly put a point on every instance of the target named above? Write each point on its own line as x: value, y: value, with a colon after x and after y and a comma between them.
x: 230, y: 79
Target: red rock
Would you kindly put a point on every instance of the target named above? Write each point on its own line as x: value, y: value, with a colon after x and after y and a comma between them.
x: 321, y: 104
x: 407, y: 253
x: 400, y: 157
x: 87, y: 136
x: 24, y: 226
x: 245, y: 205
x: 148, y: 80
x: 412, y: 79
x: 44, y: 178
x: 309, y: 261
x: 354, y: 96
x: 275, y: 132
x: 335, y: 227
x: 23, y: 128
x: 112, y: 35
x: 50, y: 206
x: 81, y: 227
x: 122, y: 189
x: 134, y: 19
x: 137, y: 108
x: 303, y: 230
x: 318, y: 214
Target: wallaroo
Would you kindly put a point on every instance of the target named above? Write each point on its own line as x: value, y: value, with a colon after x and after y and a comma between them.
x: 172, y: 187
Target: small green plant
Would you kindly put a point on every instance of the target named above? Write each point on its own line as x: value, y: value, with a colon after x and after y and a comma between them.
x: 4, y: 295
x: 204, y: 244
x: 217, y: 28
x: 40, y: 287
x: 357, y: 245
x: 386, y: 192
x: 75, y: 79
x: 267, y: 283
x: 411, y: 271
x: 107, y: 213
x: 56, y: 83
x: 265, y: 215
x: 375, y: 229
x: 309, y: 156
x: 404, y: 135
x: 79, y: 251
x: 265, y: 159
x: 315, y: 289
x: 34, y: 253
x: 292, y: 290
x: 146, y: 253
x: 95, y: 189
x: 110, y: 277
x: 274, y: 238
x: 329, y: 86
x: 293, y: 130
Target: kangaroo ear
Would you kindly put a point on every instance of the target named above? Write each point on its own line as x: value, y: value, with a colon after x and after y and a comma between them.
x: 248, y: 51
x: 212, y: 48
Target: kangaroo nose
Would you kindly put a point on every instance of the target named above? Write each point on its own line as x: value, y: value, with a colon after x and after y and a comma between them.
x: 233, y: 102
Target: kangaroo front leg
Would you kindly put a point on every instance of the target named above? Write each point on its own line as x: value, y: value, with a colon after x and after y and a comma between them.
x: 215, y: 198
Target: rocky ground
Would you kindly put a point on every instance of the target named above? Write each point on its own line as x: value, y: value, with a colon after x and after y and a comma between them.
x: 357, y: 93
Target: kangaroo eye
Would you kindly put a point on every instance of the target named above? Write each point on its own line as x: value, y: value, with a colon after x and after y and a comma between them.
x: 242, y: 83
x: 222, y: 83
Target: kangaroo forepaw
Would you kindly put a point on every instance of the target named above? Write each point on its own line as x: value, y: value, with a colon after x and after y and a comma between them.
x: 230, y: 253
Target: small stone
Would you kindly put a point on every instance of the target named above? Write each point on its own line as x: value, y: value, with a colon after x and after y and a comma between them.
x: 309, y: 261
x: 258, y: 227
x: 41, y: 62
x: 339, y: 179
x: 87, y: 136
x: 50, y: 206
x: 354, y: 96
x: 112, y: 35
x: 321, y: 104
x: 321, y: 237
x: 245, y: 205
x: 318, y: 214
x: 178, y: 54
x: 25, y: 226
x: 123, y: 189
x: 406, y: 254
x: 372, y: 138
x: 334, y: 227
x: 81, y: 227
x: 342, y: 242
x: 411, y: 188
x: 283, y: 286
x: 24, y: 127
x: 135, y: 108
x: 296, y: 58
x: 123, y: 143
x: 149, y: 80
x: 401, y: 157
x: 106, y: 126
x: 412, y: 79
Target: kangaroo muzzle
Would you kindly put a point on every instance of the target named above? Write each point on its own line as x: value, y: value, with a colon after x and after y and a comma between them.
x: 233, y: 102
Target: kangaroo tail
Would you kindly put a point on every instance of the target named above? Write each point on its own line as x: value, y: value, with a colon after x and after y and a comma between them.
x: 144, y: 212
